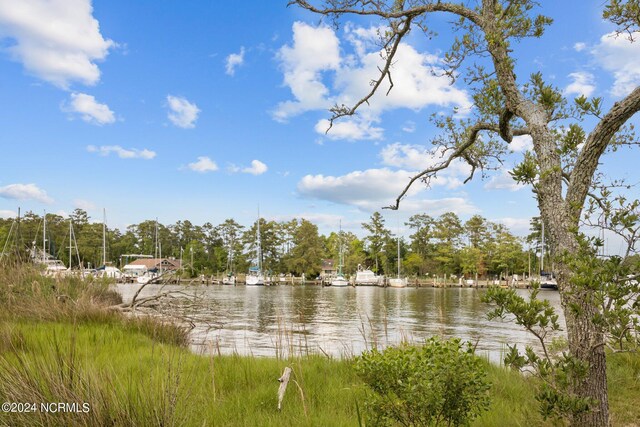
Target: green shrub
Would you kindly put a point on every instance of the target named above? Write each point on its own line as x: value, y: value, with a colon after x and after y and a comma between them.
x: 438, y: 383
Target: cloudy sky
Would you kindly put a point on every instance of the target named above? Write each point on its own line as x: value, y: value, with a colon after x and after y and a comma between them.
x: 204, y: 110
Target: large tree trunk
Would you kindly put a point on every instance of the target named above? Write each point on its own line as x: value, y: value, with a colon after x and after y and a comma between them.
x: 586, y: 343
x: 586, y: 340
x: 580, y: 308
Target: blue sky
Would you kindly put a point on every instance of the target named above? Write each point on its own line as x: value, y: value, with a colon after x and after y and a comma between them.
x: 204, y: 110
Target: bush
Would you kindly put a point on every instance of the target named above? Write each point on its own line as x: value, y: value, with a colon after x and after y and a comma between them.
x: 438, y: 383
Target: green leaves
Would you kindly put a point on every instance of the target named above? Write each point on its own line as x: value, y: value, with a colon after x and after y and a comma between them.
x: 560, y: 374
x: 438, y: 383
x: 587, y: 106
x: 625, y: 14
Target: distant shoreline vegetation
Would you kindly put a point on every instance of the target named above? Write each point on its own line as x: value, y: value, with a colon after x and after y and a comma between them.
x: 437, y: 246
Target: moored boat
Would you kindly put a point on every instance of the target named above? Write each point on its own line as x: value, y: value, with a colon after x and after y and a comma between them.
x: 255, y: 277
x: 366, y: 277
x: 398, y: 282
x: 339, y: 280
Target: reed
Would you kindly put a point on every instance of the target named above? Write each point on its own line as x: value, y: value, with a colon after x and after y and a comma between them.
x: 129, y: 379
x: 59, y: 342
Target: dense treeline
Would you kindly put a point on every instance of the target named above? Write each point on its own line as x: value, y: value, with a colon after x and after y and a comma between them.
x: 436, y: 246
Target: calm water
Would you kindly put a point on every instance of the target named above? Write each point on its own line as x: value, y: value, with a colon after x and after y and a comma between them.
x: 267, y: 321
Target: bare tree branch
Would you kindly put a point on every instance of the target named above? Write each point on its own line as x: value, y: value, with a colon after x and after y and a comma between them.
x: 459, y: 152
x: 343, y: 110
x: 596, y: 144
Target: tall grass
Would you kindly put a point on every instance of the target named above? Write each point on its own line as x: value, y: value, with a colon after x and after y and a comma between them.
x: 61, y: 342
x: 27, y: 295
x: 128, y: 379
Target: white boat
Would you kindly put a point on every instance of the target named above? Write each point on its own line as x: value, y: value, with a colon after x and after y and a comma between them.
x: 230, y: 278
x: 398, y: 282
x: 148, y: 276
x: 366, y: 277
x: 339, y: 280
x: 105, y: 270
x: 52, y: 266
x: 108, y: 271
x: 547, y: 281
x: 255, y: 277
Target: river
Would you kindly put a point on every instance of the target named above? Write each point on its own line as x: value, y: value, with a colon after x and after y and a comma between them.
x: 282, y: 320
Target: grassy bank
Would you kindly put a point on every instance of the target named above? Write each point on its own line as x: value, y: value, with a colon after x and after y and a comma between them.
x: 60, y: 343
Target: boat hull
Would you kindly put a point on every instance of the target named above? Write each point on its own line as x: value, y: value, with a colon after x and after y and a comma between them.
x: 339, y: 282
x: 255, y: 280
x: 398, y: 283
x: 368, y: 278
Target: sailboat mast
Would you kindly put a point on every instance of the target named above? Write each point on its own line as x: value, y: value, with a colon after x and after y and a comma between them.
x: 44, y: 237
x: 259, y: 245
x: 398, y: 255
x: 70, y: 240
x: 341, y: 249
x: 104, y: 237
x: 155, y: 247
x: 542, y: 252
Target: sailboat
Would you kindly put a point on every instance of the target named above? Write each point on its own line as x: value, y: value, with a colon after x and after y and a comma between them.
x: 230, y: 278
x: 154, y: 273
x: 106, y: 270
x: 255, y: 277
x: 52, y: 265
x: 340, y: 281
x: 547, y: 281
x: 398, y: 282
x: 73, y: 244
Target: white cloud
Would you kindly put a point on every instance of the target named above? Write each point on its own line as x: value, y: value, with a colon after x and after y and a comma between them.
x: 132, y: 153
x: 183, y: 113
x: 322, y: 220
x: 503, y: 181
x: 233, y: 61
x: 582, y: 84
x: 314, y: 49
x: 521, y: 143
x: 622, y: 58
x: 436, y: 207
x: 204, y: 164
x: 85, y: 205
x: 415, y: 157
x: 350, y: 129
x: 90, y: 110
x: 372, y: 189
x: 25, y: 192
x: 358, y: 188
x: 580, y: 46
x: 409, y: 127
x: 58, y: 41
x: 518, y: 226
x: 418, y: 81
x: 256, y: 168
x: 7, y: 214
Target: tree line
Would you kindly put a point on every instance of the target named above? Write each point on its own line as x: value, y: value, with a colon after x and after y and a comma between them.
x: 436, y: 246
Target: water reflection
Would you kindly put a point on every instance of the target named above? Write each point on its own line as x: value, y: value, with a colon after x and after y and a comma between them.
x: 269, y: 321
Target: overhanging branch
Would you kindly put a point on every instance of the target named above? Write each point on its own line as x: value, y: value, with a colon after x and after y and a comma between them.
x: 596, y: 144
x: 459, y: 152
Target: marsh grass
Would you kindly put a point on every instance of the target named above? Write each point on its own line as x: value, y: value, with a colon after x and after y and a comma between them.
x: 623, y: 376
x: 26, y: 295
x: 59, y: 342
x: 129, y: 379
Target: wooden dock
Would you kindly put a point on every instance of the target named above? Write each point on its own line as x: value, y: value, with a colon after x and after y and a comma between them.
x: 300, y: 281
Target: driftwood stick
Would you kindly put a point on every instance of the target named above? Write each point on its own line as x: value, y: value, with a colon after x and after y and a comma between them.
x: 284, y: 380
